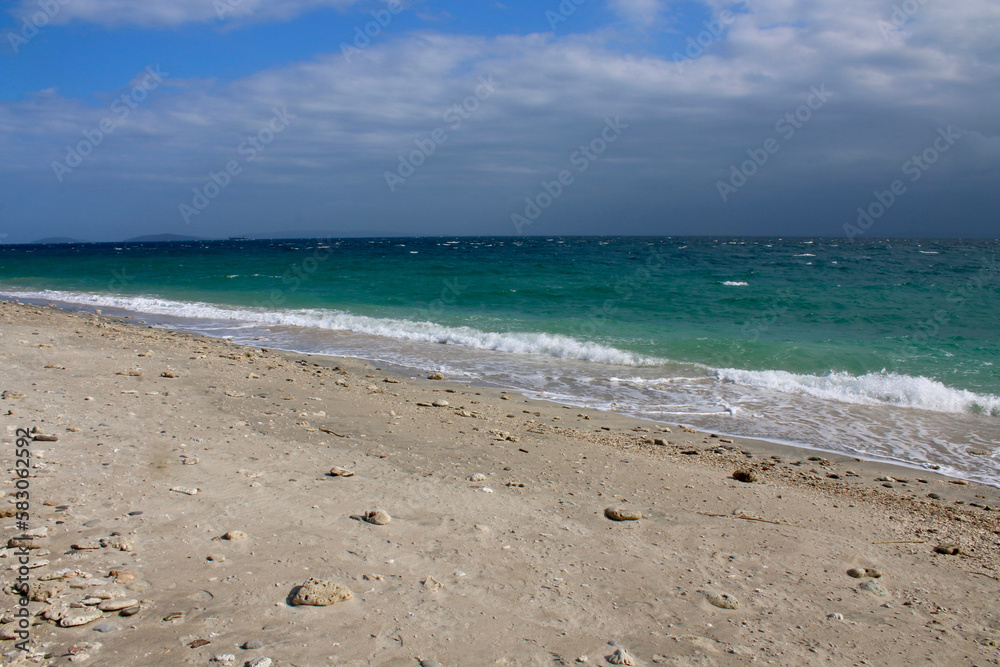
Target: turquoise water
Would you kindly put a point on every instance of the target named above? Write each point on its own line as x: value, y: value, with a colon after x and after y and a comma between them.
x: 886, y: 349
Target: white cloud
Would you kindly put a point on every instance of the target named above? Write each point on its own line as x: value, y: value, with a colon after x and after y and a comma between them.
x: 639, y: 12
x: 686, y: 127
x: 169, y: 13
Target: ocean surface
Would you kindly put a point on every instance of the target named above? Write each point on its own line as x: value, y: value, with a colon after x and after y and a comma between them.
x: 883, y: 349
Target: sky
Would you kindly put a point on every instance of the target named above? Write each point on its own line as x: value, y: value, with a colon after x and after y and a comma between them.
x: 271, y: 118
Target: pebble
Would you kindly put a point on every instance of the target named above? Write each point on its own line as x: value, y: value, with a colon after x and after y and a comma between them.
x: 622, y: 514
x: 321, y: 593
x: 45, y: 437
x: 131, y: 611
x: 89, y: 544
x: 377, y: 517
x: 11, y: 395
x: 621, y: 657
x: 836, y: 616
x: 435, y: 376
x: 235, y: 535
x: 186, y: 491
x: 75, y: 617
x: 440, y: 404
x: 259, y: 662
x: 224, y: 657
x: 934, y: 496
x: 747, y: 476
x: 216, y: 558
x: 477, y: 477
x: 662, y: 442
x: 123, y: 576
x: 723, y: 600
x: 117, y: 605
x: 856, y: 572
x: 337, y: 471
x: 874, y: 588
x: 104, y: 627
x: 872, y: 572
x: 252, y: 645
x: 948, y: 549
x: 430, y: 663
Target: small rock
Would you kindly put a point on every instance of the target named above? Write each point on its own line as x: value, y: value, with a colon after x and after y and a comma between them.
x: 225, y: 658
x: 11, y: 395
x: 337, y: 471
x: 377, y: 517
x: 662, y: 442
x: 432, y: 376
x: 836, y: 616
x: 185, y: 491
x: 934, y: 496
x: 872, y: 572
x: 131, y: 611
x: 259, y: 662
x: 117, y: 605
x: 440, y: 404
x: 622, y: 514
x: 948, y: 549
x: 747, y: 476
x: 477, y: 477
x: 75, y: 617
x: 723, y: 601
x: 167, y: 374
x: 235, y: 536
x: 45, y: 437
x: 123, y: 576
x: 121, y: 543
x: 432, y: 584
x: 320, y: 593
x: 430, y: 663
x: 621, y: 657
x: 874, y: 588
x: 856, y: 572
x: 198, y: 643
x: 216, y: 558
x: 104, y: 627
x: 252, y: 645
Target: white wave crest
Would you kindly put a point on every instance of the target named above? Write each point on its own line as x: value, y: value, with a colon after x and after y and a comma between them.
x: 735, y: 283
x: 552, y: 345
x: 870, y: 388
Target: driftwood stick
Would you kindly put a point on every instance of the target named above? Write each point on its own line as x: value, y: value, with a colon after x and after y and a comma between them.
x: 745, y: 518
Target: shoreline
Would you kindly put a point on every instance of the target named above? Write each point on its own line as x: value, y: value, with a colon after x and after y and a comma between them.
x: 887, y: 464
x: 256, y: 432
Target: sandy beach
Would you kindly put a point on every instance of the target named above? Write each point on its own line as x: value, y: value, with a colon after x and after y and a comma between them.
x: 181, y: 494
